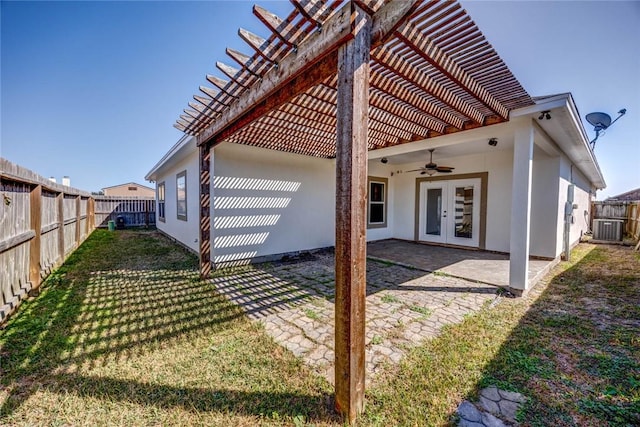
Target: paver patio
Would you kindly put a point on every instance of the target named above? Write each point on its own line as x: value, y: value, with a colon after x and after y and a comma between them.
x: 405, y: 305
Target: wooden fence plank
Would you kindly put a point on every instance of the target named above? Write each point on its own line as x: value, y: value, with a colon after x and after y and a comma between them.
x: 35, y: 205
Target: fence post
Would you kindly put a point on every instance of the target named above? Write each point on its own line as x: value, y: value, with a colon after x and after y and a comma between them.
x: 91, y: 214
x: 78, y: 203
x: 35, y: 208
x: 60, y: 203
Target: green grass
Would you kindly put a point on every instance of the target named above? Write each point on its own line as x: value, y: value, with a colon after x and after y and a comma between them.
x: 572, y: 348
x: 125, y: 333
x: 390, y: 299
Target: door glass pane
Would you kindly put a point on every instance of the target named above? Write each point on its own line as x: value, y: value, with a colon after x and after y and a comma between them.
x: 434, y: 211
x: 464, y: 212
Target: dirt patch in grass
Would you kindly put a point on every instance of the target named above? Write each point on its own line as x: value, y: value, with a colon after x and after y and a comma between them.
x: 125, y: 333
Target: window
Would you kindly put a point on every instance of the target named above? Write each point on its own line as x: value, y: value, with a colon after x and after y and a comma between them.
x: 133, y: 188
x: 377, y: 204
x: 161, y: 201
x: 181, y: 194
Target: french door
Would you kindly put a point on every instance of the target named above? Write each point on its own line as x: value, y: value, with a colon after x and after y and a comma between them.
x: 450, y: 212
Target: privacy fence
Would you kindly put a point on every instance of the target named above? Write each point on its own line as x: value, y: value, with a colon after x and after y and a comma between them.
x: 41, y: 223
x: 628, y: 213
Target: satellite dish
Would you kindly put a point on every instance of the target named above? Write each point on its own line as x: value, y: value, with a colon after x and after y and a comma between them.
x: 599, y: 121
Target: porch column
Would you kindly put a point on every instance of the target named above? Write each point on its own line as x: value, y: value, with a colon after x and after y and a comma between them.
x: 521, y: 207
x: 351, y: 193
x: 205, y: 210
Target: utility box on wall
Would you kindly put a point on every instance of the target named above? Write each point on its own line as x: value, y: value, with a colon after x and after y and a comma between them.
x: 608, y: 229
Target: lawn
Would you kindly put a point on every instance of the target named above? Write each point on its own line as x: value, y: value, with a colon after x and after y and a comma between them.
x: 124, y: 333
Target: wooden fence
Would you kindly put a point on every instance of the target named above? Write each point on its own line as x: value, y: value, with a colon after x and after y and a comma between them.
x: 136, y: 211
x: 41, y: 223
x: 629, y: 212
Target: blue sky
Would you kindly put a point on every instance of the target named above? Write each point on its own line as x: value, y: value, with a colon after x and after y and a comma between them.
x: 92, y: 89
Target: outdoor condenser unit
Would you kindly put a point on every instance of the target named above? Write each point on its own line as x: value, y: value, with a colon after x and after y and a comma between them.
x: 608, y: 229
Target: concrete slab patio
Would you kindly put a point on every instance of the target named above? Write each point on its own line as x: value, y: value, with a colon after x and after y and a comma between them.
x: 480, y: 266
x: 406, y: 302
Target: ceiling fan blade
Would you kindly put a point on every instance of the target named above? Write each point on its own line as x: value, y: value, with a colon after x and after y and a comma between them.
x: 444, y: 169
x: 416, y: 170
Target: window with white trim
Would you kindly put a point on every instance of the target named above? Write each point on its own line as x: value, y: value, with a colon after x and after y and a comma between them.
x: 377, y: 202
x: 181, y: 195
x: 161, y: 201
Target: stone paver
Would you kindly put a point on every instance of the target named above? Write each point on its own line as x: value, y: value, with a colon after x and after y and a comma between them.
x: 295, y: 303
x: 495, y: 408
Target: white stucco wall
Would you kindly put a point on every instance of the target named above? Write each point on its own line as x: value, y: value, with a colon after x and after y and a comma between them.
x: 544, y: 209
x: 268, y: 202
x: 580, y: 224
x: 185, y: 232
x: 497, y: 163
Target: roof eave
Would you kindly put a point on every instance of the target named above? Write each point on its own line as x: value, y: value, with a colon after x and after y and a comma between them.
x: 590, y: 166
x: 173, y: 151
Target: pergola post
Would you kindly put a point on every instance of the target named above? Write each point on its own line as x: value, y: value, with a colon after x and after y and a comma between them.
x: 521, y: 207
x: 351, y: 193
x: 205, y: 210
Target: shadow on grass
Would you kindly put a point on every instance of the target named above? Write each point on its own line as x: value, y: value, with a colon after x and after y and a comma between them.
x: 120, y: 296
x: 576, y: 353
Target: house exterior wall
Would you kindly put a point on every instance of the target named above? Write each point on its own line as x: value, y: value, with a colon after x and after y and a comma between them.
x: 186, y: 232
x: 545, y: 185
x: 267, y: 202
x: 496, y: 163
x: 125, y: 190
x: 582, y: 198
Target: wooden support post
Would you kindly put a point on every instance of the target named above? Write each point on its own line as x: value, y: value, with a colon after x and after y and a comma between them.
x: 351, y: 193
x: 35, y: 204
x: 78, y: 202
x: 60, y: 203
x: 205, y: 210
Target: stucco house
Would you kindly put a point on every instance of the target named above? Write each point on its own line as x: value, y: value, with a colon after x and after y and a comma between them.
x: 518, y: 181
x: 129, y: 189
x: 268, y: 203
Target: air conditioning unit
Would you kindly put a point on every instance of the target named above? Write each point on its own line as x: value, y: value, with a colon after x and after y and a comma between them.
x: 608, y: 229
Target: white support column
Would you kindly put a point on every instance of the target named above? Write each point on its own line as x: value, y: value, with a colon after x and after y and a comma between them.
x: 521, y: 207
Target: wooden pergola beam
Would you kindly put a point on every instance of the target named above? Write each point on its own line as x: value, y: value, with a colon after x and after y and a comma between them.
x: 296, y: 73
x: 426, y: 83
x: 439, y: 59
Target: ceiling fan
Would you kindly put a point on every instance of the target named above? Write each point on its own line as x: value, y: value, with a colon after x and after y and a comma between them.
x: 431, y: 168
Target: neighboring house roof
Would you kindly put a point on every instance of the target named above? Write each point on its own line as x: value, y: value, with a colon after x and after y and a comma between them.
x: 629, y: 196
x: 127, y: 184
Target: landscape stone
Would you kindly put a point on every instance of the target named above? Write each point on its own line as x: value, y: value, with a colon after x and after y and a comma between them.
x: 512, y: 396
x: 491, y: 421
x: 489, y: 405
x: 508, y: 409
x: 490, y: 393
x: 465, y: 423
x: 469, y: 412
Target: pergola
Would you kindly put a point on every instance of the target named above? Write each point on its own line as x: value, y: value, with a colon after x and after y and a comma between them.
x: 338, y: 78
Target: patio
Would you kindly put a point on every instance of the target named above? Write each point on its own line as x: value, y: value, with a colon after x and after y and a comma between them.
x: 413, y: 291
